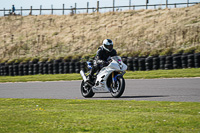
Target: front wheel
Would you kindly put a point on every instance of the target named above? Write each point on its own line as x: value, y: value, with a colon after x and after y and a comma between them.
x: 86, y: 90
x: 119, y: 87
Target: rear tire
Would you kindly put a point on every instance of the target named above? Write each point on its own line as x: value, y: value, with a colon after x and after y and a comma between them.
x: 86, y: 91
x: 119, y: 90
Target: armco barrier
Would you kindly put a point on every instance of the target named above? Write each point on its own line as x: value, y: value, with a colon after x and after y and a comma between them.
x: 177, y: 61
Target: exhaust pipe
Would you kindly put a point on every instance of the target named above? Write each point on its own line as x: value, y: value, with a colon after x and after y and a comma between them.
x: 83, y: 75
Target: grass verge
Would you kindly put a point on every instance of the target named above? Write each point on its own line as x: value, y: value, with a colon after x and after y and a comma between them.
x: 49, y: 115
x: 45, y: 77
x: 176, y: 73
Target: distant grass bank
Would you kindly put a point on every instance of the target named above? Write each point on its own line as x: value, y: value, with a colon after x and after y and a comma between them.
x: 175, y: 73
x: 99, y: 116
x: 134, y: 33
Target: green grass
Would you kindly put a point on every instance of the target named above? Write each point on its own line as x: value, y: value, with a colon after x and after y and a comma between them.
x: 176, y: 73
x: 113, y: 116
x: 45, y: 77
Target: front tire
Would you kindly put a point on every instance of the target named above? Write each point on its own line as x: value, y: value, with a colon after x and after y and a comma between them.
x: 119, y: 89
x: 86, y: 91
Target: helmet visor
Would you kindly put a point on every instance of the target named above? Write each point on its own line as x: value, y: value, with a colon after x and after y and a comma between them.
x: 110, y: 47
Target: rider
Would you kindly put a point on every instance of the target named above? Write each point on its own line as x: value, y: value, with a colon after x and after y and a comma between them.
x: 104, y: 52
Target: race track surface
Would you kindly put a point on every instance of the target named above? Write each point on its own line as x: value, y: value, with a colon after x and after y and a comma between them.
x: 186, y: 89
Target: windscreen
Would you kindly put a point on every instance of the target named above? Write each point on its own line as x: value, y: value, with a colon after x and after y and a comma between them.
x: 116, y: 58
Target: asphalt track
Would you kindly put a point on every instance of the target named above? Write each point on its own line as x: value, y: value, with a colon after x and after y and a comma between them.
x: 186, y: 90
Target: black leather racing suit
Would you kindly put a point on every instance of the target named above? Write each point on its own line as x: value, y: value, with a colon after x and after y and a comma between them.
x: 101, y: 59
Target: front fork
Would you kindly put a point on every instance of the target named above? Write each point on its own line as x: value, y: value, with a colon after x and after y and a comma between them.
x: 114, y: 77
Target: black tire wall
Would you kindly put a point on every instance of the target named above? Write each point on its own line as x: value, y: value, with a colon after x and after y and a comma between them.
x: 177, y: 61
x: 197, y: 60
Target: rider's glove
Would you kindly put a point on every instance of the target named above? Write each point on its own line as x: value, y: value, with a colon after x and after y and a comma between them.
x: 105, y: 63
x: 100, y: 62
x: 109, y: 61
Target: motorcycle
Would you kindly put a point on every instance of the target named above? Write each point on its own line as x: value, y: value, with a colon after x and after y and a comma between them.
x: 108, y: 80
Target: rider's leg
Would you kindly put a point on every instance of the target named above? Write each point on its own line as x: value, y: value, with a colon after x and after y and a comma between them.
x: 93, y: 70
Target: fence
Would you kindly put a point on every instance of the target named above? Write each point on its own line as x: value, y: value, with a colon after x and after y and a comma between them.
x: 74, y: 10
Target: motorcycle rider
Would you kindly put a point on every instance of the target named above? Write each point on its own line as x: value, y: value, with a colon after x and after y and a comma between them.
x: 101, y: 59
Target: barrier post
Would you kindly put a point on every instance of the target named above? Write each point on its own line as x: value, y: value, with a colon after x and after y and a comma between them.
x: 52, y: 9
x: 97, y: 6
x: 87, y: 7
x: 166, y: 3
x: 4, y: 12
x: 113, y: 5
x: 63, y: 9
x: 31, y: 10
x: 147, y: 1
x: 40, y: 9
x: 75, y: 8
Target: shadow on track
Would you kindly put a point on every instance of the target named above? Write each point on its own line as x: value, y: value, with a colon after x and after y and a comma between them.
x: 151, y: 96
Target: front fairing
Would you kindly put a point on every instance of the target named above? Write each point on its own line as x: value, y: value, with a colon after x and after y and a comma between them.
x: 117, y: 64
x: 118, y: 67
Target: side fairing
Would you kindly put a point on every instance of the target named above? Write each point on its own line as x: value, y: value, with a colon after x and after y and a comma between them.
x: 124, y: 67
x: 101, y: 81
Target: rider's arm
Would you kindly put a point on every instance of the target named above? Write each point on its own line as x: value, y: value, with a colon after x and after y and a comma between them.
x: 99, y: 57
x: 114, y: 52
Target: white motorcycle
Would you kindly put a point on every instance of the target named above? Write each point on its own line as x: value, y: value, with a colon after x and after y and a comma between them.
x: 108, y: 80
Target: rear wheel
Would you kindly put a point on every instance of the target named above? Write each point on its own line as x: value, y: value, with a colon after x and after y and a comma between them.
x: 119, y: 87
x: 86, y: 90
